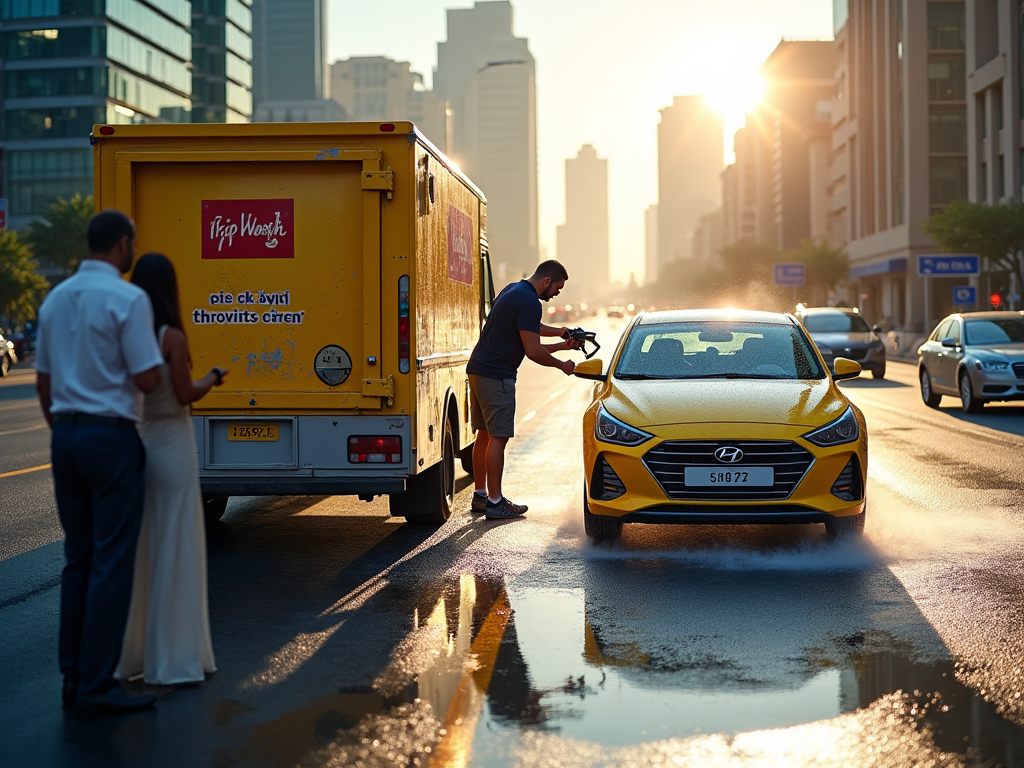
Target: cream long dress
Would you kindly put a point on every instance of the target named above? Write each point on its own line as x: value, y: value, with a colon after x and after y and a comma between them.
x: 167, y: 638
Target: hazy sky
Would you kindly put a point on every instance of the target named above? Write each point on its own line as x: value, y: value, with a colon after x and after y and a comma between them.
x: 604, y: 69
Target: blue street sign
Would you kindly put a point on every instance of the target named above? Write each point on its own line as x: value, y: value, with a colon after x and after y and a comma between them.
x: 948, y: 265
x: 789, y: 274
x: 964, y: 295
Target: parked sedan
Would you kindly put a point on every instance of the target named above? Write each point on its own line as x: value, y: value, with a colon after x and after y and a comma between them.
x: 976, y: 356
x: 841, y: 332
x: 720, y: 416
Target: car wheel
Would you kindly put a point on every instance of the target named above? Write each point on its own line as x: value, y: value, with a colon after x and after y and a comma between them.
x: 214, y: 508
x: 600, y: 528
x: 970, y: 403
x: 430, y: 495
x: 846, y: 527
x: 878, y: 373
x: 466, y: 457
x: 930, y: 397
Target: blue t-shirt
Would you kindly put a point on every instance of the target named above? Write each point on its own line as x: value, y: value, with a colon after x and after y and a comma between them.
x: 499, y: 352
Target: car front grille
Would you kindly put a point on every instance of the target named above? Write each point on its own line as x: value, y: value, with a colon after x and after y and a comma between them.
x: 668, y: 461
x: 1018, y: 370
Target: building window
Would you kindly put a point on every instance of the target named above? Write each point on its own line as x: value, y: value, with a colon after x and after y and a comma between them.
x: 947, y: 80
x: 947, y: 180
x: 997, y: 106
x: 1002, y: 177
x: 947, y: 129
x: 983, y: 184
x: 946, y: 27
x: 55, y: 123
x: 982, y: 116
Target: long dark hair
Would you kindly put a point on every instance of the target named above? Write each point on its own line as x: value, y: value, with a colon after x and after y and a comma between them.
x: 154, y: 274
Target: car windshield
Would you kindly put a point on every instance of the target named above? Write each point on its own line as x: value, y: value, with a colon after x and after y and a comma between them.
x: 835, y: 322
x: 1006, y: 330
x: 718, y: 349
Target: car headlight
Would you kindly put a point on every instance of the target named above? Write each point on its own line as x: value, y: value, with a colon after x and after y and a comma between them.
x: 608, y: 429
x: 842, y: 430
x: 991, y: 365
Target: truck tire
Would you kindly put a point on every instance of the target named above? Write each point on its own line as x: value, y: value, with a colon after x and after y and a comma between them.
x: 213, y: 508
x: 466, y: 455
x: 430, y: 495
x: 601, y: 529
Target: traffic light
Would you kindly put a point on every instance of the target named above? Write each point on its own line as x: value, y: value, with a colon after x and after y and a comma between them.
x: 996, y: 300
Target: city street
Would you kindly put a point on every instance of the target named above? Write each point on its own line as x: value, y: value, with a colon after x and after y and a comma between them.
x: 345, y: 637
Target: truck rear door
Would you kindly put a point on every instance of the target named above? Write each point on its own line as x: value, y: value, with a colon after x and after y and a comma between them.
x: 278, y: 261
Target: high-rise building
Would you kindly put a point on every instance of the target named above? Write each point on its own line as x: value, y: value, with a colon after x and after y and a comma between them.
x: 582, y: 241
x: 690, y: 152
x: 289, y: 59
x: 67, y: 66
x: 377, y: 88
x: 488, y: 76
x: 221, y: 61
x: 651, y: 244
x: 899, y: 147
x: 746, y: 185
x: 707, y: 238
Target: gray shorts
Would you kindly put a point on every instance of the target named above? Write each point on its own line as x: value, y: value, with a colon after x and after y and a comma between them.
x: 493, y: 405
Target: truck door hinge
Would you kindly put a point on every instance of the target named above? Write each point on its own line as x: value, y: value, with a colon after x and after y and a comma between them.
x: 380, y: 388
x: 382, y: 180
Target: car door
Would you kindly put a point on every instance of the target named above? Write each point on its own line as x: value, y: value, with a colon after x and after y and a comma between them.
x: 931, y: 349
x: 948, y: 359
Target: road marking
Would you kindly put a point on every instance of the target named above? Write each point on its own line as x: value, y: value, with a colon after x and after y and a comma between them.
x: 20, y: 404
x: 557, y: 393
x: 24, y: 471
x: 526, y: 418
x: 26, y: 429
x: 467, y: 703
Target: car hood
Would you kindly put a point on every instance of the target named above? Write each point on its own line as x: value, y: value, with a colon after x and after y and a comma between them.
x: 651, y: 403
x: 1012, y: 352
x: 841, y: 339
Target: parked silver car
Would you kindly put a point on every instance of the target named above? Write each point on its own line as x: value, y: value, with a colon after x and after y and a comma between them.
x: 842, y: 332
x: 978, y: 356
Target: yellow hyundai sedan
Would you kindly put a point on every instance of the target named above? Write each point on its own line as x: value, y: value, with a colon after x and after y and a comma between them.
x: 721, y: 417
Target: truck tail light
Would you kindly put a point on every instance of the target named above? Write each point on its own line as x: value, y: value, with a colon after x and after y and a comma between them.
x: 375, y: 450
x: 403, y: 324
x: 106, y: 130
x: 387, y: 127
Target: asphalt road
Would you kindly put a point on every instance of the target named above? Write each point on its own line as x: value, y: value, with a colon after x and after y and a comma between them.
x: 344, y: 637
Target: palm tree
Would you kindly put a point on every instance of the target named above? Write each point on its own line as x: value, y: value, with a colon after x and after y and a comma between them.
x: 21, y: 287
x: 825, y: 266
x: 58, y: 238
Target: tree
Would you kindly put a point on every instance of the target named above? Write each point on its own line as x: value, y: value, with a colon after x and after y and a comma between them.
x: 59, y: 237
x: 825, y: 266
x: 21, y: 287
x: 994, y: 232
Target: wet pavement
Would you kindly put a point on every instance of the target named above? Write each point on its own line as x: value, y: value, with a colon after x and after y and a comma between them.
x: 345, y: 638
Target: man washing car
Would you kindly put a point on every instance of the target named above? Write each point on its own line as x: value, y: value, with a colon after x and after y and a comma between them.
x: 512, y: 332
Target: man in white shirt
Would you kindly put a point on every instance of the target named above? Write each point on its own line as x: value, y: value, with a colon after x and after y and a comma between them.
x: 96, y: 354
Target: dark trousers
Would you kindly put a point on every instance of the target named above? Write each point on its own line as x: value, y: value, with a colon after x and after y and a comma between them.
x: 99, y: 478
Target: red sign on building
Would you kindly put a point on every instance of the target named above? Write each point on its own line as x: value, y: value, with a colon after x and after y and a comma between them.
x: 248, y: 229
x: 460, y: 246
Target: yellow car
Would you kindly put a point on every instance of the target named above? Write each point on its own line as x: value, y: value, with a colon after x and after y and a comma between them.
x: 721, y: 416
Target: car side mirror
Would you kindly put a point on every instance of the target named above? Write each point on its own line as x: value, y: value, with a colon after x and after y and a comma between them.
x: 876, y: 329
x: 592, y: 370
x: 845, y: 369
x: 949, y: 341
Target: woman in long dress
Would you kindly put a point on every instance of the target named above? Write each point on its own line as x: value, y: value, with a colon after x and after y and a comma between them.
x: 167, y: 638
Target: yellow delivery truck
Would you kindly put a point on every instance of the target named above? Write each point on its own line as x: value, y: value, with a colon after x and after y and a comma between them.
x: 340, y: 272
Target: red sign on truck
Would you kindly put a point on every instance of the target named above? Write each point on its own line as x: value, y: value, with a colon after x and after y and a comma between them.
x: 248, y: 229
x: 460, y: 246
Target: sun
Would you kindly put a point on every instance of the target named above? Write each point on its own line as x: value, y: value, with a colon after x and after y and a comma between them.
x: 734, y: 93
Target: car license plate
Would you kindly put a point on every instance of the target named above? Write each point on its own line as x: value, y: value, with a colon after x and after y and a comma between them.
x: 253, y: 432
x: 715, y: 476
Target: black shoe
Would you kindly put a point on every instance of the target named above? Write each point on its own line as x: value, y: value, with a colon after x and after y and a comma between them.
x: 113, y: 702
x: 69, y: 692
x: 479, y: 505
x: 504, y: 510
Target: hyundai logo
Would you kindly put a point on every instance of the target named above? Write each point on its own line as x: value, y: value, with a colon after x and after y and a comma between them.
x: 729, y: 455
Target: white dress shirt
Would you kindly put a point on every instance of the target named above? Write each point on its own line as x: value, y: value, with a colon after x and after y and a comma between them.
x: 95, y: 334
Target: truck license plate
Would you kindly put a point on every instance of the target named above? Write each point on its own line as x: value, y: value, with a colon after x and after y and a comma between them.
x: 714, y: 476
x: 253, y: 432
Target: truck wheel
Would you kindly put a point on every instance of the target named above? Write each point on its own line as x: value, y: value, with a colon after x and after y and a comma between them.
x: 599, y: 528
x: 466, y: 455
x: 213, y: 508
x: 430, y: 495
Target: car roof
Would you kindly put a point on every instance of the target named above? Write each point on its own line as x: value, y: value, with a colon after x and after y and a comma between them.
x: 827, y: 310
x: 705, y: 315
x: 987, y: 315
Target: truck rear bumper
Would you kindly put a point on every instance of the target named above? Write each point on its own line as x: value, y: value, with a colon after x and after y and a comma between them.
x: 301, y: 486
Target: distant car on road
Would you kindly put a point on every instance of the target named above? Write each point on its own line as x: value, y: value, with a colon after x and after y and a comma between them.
x: 724, y: 417
x: 615, y: 311
x: 8, y: 356
x: 978, y: 356
x: 842, y: 332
